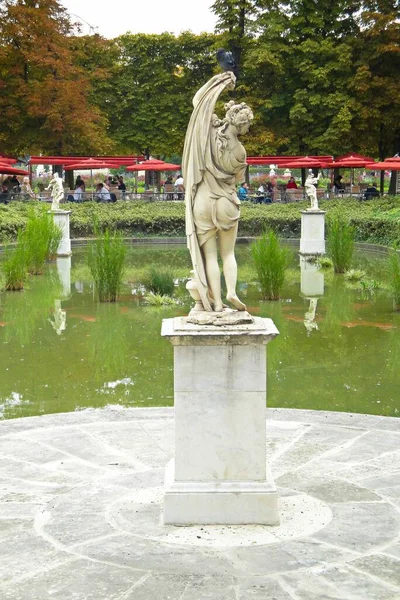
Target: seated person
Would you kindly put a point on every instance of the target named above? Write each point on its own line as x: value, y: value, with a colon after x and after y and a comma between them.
x: 102, y: 193
x: 122, y: 186
x: 337, y: 184
x: 78, y: 193
x: 26, y: 190
x: 4, y: 194
x: 243, y: 191
x: 371, y: 192
x: 80, y: 183
x: 291, y: 185
x: 260, y: 195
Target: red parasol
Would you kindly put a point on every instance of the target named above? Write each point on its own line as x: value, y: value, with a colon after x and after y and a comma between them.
x: 304, y: 163
x: 384, y: 166
x: 351, y: 162
x: 147, y: 165
x: 90, y: 163
x: 7, y: 170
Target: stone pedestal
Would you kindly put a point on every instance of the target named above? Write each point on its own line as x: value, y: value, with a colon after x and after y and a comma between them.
x: 312, y: 239
x: 219, y: 474
x: 312, y: 279
x: 61, y: 219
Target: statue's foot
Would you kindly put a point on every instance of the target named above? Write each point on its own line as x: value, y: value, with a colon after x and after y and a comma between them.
x: 218, y: 307
x: 233, y: 299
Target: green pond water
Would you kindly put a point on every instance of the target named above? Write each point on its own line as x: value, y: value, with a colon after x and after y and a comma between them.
x: 61, y: 350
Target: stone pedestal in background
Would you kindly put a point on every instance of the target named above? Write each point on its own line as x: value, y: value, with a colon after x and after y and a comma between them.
x: 312, y: 239
x: 312, y: 279
x: 219, y: 474
x: 61, y: 219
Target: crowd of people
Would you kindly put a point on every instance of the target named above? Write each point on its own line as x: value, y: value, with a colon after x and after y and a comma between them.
x: 174, y: 189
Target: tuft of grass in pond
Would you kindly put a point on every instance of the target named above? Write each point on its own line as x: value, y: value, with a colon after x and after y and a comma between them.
x: 160, y: 281
x: 14, y: 266
x: 354, y: 274
x: 55, y: 236
x: 271, y: 261
x: 106, y: 260
x: 40, y: 236
x: 393, y: 264
x: 160, y: 300
x: 324, y: 262
x: 340, y: 243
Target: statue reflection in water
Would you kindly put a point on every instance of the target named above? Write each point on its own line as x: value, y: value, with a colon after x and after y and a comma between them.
x: 309, y: 318
x: 59, y: 320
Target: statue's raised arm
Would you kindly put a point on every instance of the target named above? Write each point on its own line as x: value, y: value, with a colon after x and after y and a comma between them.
x: 214, y: 162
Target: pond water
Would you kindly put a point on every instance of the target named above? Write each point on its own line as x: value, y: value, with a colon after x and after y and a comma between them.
x: 61, y: 350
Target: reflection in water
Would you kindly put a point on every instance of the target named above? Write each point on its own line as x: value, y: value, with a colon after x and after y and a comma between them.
x: 115, y: 354
x: 309, y: 317
x: 64, y: 274
x: 25, y: 312
x: 59, y: 321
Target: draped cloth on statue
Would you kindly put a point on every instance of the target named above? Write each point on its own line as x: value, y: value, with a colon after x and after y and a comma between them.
x: 210, y: 173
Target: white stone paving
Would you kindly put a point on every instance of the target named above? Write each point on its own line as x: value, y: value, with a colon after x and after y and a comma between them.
x: 81, y: 499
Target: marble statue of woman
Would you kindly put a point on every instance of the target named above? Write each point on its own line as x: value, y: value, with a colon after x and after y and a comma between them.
x: 214, y: 162
x: 57, y: 191
x: 311, y: 189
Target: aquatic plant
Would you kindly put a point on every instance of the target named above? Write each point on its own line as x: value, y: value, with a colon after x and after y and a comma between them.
x: 14, y: 266
x: 160, y: 281
x: 160, y: 300
x: 340, y: 243
x: 55, y: 235
x: 354, y: 274
x: 324, y: 262
x: 393, y: 264
x: 271, y: 261
x: 38, y: 236
x: 106, y: 260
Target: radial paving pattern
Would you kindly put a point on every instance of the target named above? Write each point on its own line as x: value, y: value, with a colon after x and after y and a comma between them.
x: 81, y: 500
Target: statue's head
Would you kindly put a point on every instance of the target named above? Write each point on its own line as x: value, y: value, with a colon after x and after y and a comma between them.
x: 56, y: 176
x: 239, y: 115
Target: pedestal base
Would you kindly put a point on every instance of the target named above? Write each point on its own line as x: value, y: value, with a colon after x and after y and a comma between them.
x: 219, y: 503
x: 312, y: 239
x: 61, y: 219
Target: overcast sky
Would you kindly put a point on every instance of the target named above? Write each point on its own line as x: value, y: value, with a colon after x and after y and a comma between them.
x: 142, y: 16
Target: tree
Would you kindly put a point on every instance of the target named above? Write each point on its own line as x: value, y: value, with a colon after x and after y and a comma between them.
x: 44, y: 95
x: 376, y: 81
x: 154, y: 80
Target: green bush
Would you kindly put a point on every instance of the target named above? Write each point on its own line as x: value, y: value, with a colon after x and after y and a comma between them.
x: 271, y: 261
x: 340, y: 243
x: 376, y: 221
x: 106, y: 260
x: 354, y: 274
x: 160, y: 300
x: 394, y: 277
x: 160, y: 281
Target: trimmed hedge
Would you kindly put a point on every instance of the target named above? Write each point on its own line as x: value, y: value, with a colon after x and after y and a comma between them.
x: 376, y: 221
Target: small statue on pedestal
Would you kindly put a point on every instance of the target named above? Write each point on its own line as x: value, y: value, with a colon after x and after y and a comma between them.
x: 311, y: 189
x: 57, y: 191
x: 213, y: 164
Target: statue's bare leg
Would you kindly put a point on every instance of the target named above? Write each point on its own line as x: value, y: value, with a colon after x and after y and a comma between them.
x: 227, y: 241
x: 209, y: 249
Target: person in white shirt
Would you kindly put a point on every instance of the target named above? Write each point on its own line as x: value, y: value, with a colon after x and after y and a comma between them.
x: 179, y: 186
x: 102, y: 193
x: 78, y: 193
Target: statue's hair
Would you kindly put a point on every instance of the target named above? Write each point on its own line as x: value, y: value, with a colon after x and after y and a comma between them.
x: 232, y: 111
